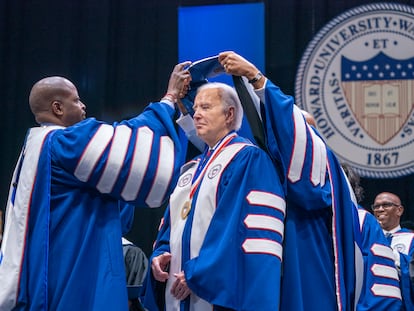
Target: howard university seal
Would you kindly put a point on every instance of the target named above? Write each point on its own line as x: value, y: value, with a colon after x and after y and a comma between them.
x: 356, y: 78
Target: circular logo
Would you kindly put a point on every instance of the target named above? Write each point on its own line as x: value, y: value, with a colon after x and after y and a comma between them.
x: 214, y: 171
x: 185, y: 180
x: 400, y: 248
x: 356, y: 78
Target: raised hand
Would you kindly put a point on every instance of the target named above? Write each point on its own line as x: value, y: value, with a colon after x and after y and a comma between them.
x: 179, y: 82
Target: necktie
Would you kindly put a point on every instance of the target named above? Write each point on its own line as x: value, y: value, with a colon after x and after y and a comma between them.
x: 203, y: 162
x: 388, y: 235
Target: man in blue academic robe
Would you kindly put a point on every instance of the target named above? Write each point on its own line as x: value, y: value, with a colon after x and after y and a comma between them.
x: 62, y: 238
x: 220, y: 242
x: 322, y: 253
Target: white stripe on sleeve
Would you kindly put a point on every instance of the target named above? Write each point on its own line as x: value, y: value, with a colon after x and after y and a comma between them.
x: 386, y: 291
x: 262, y: 246
x: 164, y: 173
x: 140, y: 160
x: 264, y: 222
x: 299, y: 146
x: 266, y: 199
x: 382, y: 251
x: 319, y: 160
x: 93, y: 152
x: 384, y: 271
x: 116, y: 159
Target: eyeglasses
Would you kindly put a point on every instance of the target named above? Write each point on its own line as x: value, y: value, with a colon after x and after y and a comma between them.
x: 385, y: 205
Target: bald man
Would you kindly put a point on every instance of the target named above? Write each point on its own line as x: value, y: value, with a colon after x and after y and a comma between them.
x: 61, y: 248
x: 388, y: 210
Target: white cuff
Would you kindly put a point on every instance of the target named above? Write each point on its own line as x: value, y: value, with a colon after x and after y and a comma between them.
x: 168, y: 102
x: 186, y: 122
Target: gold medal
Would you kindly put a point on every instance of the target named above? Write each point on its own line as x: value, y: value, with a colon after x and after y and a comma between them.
x: 186, y: 209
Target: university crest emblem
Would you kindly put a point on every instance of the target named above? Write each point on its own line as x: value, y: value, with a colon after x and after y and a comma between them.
x: 356, y: 78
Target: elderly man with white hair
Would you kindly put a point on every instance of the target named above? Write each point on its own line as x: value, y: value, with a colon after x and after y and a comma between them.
x: 222, y: 233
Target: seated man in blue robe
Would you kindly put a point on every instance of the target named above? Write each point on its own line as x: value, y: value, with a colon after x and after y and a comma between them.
x: 378, y: 259
x: 220, y: 242
x: 61, y: 248
x: 388, y: 210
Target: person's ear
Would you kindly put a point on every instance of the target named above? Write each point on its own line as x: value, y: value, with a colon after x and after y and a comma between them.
x: 57, y: 108
x: 230, y: 115
x: 400, y: 210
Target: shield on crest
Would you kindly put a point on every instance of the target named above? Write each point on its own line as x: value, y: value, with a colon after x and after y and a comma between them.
x: 380, y: 93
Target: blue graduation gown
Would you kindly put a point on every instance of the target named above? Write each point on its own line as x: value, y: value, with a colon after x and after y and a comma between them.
x: 230, y: 245
x: 63, y: 211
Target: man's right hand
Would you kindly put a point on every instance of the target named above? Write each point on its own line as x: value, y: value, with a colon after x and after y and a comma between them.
x: 179, y: 81
x: 159, y: 266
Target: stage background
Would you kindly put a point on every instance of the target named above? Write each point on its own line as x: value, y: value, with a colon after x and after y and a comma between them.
x: 120, y: 54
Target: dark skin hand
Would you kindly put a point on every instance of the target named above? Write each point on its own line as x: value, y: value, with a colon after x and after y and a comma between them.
x: 179, y: 82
